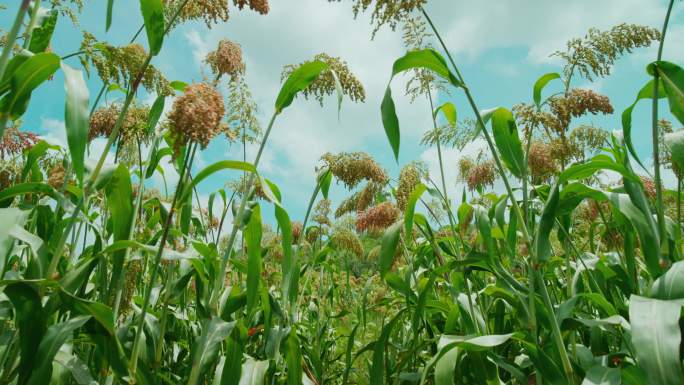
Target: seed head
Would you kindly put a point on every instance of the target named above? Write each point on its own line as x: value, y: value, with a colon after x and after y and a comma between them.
x: 196, y: 115
x: 345, y: 240
x: 481, y: 174
x: 377, y: 218
x: 541, y: 161
x: 56, y: 176
x: 390, y: 12
x: 226, y: 59
x: 409, y: 178
x: 260, y: 6
x: 353, y: 167
x: 595, y: 54
x: 322, y: 212
x: 15, y: 142
x: 211, y: 11
x: 296, y: 231
x: 577, y: 103
x: 324, y: 84
x: 134, y: 126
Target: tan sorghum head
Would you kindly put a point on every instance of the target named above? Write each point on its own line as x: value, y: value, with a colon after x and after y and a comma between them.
x: 409, y: 178
x: 390, y: 12
x: 260, y: 6
x: 226, y: 59
x: 353, y: 167
x: 345, y: 240
x: 15, y: 142
x: 576, y: 103
x: 481, y: 174
x: 324, y: 84
x: 377, y: 218
x: 134, y: 126
x: 541, y: 161
x: 196, y: 115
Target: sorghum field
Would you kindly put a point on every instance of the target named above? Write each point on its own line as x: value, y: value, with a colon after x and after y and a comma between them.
x: 559, y: 262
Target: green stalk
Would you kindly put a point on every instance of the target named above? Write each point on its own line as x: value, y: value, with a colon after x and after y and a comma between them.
x: 12, y: 37
x: 567, y: 366
x: 236, y: 225
x: 312, y: 200
x: 110, y: 141
x: 655, y: 131
x: 135, y: 350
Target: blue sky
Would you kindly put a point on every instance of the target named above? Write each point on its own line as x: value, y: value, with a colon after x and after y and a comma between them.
x: 502, y: 47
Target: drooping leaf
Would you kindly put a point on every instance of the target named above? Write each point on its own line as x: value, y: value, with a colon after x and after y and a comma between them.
x: 656, y: 338
x: 55, y: 336
x: 298, y: 80
x: 411, y: 207
x: 671, y: 284
x: 390, y: 122
x: 153, y: 14
x: 507, y: 141
x: 31, y: 73
x: 540, y: 84
x: 214, y: 331
x: 427, y: 59
x: 42, y: 34
x: 388, y: 248
x: 76, y: 117
x: 31, y: 323
x: 646, y: 92
x: 673, y: 82
x: 449, y: 111
x: 210, y: 170
x: 601, y: 375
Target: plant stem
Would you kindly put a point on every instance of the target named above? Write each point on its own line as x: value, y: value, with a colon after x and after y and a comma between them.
x: 236, y: 224
x: 12, y: 37
x: 187, y: 163
x: 655, y: 132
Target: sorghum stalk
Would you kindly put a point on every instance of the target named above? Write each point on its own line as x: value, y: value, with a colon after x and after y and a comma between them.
x: 655, y: 131
x: 110, y: 141
x: 4, y: 57
x: 567, y: 366
x: 32, y: 23
x: 134, y: 219
x: 236, y: 225
x: 187, y: 164
x: 12, y: 37
x: 312, y: 200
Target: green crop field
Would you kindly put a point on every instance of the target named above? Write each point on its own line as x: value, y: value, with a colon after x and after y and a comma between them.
x: 556, y: 260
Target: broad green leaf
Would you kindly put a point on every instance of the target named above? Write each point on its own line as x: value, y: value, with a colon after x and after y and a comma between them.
x: 32, y: 156
x: 211, y: 169
x: 29, y: 188
x: 293, y: 359
x: 599, y: 162
x: 324, y: 181
x: 601, y: 375
x: 428, y: 59
x: 647, y: 235
x: 675, y: 143
x: 299, y: 79
x: 673, y: 82
x: 377, y: 371
x: 507, y: 141
x: 41, y: 35
x: 671, y: 284
x: 76, y: 117
x: 390, y: 241
x: 232, y: 365
x: 542, y: 238
x: 153, y: 14
x: 55, y: 336
x: 411, y: 207
x: 12, y: 218
x: 253, y: 241
x: 108, y: 19
x: 31, y: 323
x: 656, y: 338
x: 155, y: 113
x: 646, y: 92
x: 390, y: 122
x: 449, y: 111
x: 78, y: 369
x: 28, y: 76
x: 206, y: 349
x: 253, y: 372
x: 540, y: 84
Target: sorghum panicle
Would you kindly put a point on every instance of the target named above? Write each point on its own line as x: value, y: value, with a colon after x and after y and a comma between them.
x: 196, y: 115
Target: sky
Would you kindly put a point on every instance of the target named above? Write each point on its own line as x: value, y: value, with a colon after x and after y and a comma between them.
x: 501, y: 47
